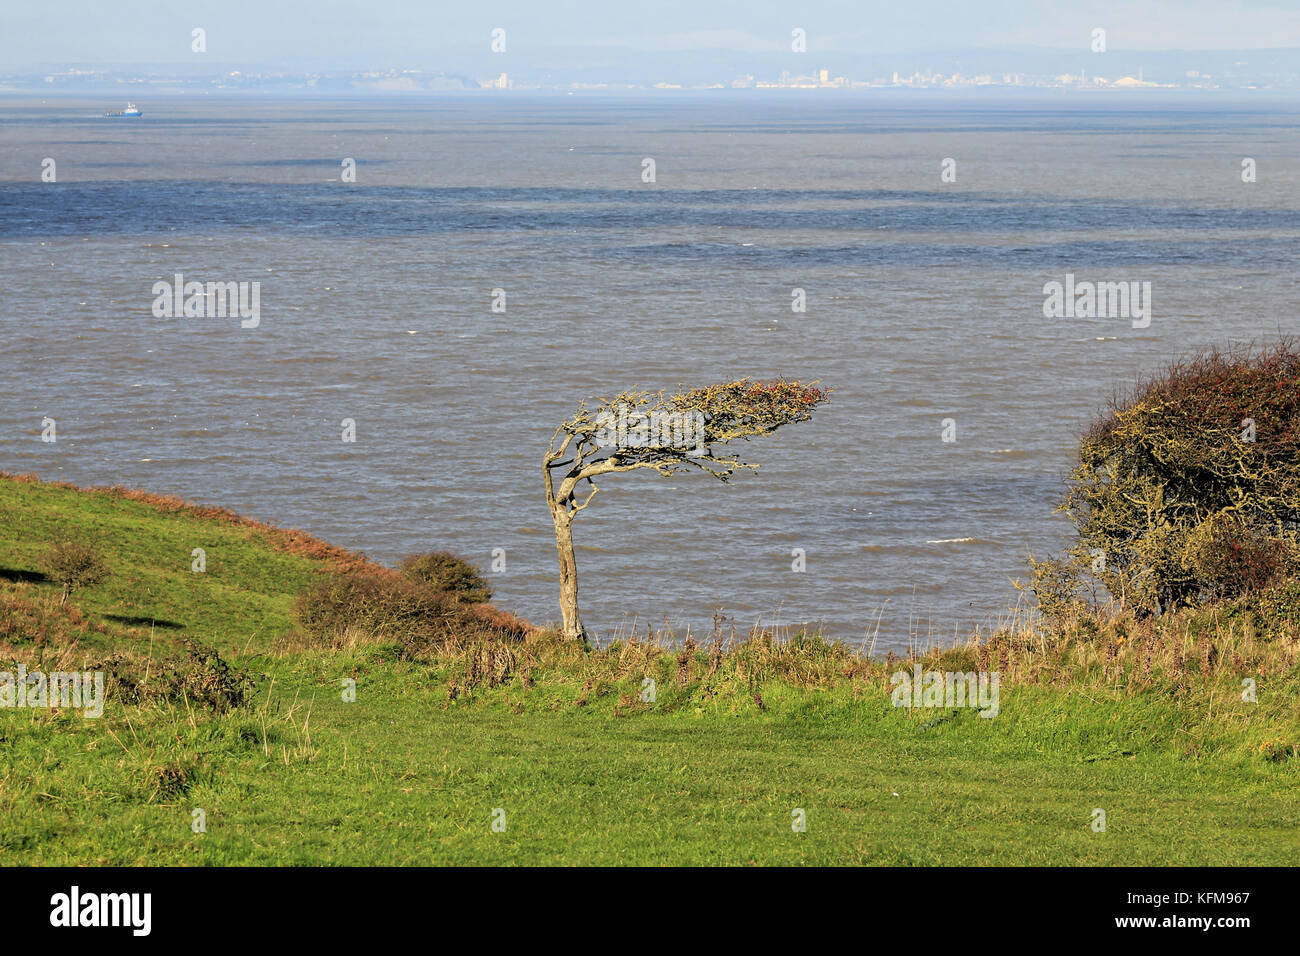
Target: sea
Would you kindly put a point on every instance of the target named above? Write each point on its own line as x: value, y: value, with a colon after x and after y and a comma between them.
x: 452, y: 275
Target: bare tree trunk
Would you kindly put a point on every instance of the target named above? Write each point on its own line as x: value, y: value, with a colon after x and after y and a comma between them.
x: 568, y: 572
x: 558, y: 500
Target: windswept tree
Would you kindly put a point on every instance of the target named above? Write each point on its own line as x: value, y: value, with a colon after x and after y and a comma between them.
x: 667, y: 433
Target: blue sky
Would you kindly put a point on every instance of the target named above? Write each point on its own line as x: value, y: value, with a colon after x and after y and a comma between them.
x: 348, y: 33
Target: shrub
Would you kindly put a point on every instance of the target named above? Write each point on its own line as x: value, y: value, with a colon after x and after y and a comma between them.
x: 1276, y: 607
x: 75, y: 566
x: 385, y: 605
x: 200, y: 678
x: 443, y: 571
x: 207, y: 680
x: 1058, y: 590
x: 485, y: 617
x: 1231, y: 559
x: 344, y: 605
x: 1189, y: 487
x: 32, y: 615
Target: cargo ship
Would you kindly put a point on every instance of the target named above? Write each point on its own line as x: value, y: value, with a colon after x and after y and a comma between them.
x: 131, y: 110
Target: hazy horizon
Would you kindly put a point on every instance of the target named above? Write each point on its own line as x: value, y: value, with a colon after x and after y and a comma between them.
x: 344, y: 34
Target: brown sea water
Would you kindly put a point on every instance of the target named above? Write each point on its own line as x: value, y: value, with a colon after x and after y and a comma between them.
x: 924, y: 303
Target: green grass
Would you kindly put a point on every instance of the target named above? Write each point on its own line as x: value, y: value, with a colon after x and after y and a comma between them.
x: 407, y: 775
x: 243, y: 595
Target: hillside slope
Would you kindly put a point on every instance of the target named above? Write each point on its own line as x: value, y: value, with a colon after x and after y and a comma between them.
x: 264, y: 748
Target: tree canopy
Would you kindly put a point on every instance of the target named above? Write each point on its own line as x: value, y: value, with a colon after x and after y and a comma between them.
x: 666, y: 432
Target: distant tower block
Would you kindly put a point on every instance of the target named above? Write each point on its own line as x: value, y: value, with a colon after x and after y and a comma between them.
x: 824, y: 76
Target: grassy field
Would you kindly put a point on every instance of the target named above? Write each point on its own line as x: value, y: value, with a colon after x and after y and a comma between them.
x: 556, y: 742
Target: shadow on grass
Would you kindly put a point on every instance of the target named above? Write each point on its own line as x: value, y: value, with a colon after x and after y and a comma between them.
x: 143, y: 621
x: 14, y: 574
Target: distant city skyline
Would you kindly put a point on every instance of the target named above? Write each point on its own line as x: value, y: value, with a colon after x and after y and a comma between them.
x: 987, y: 70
